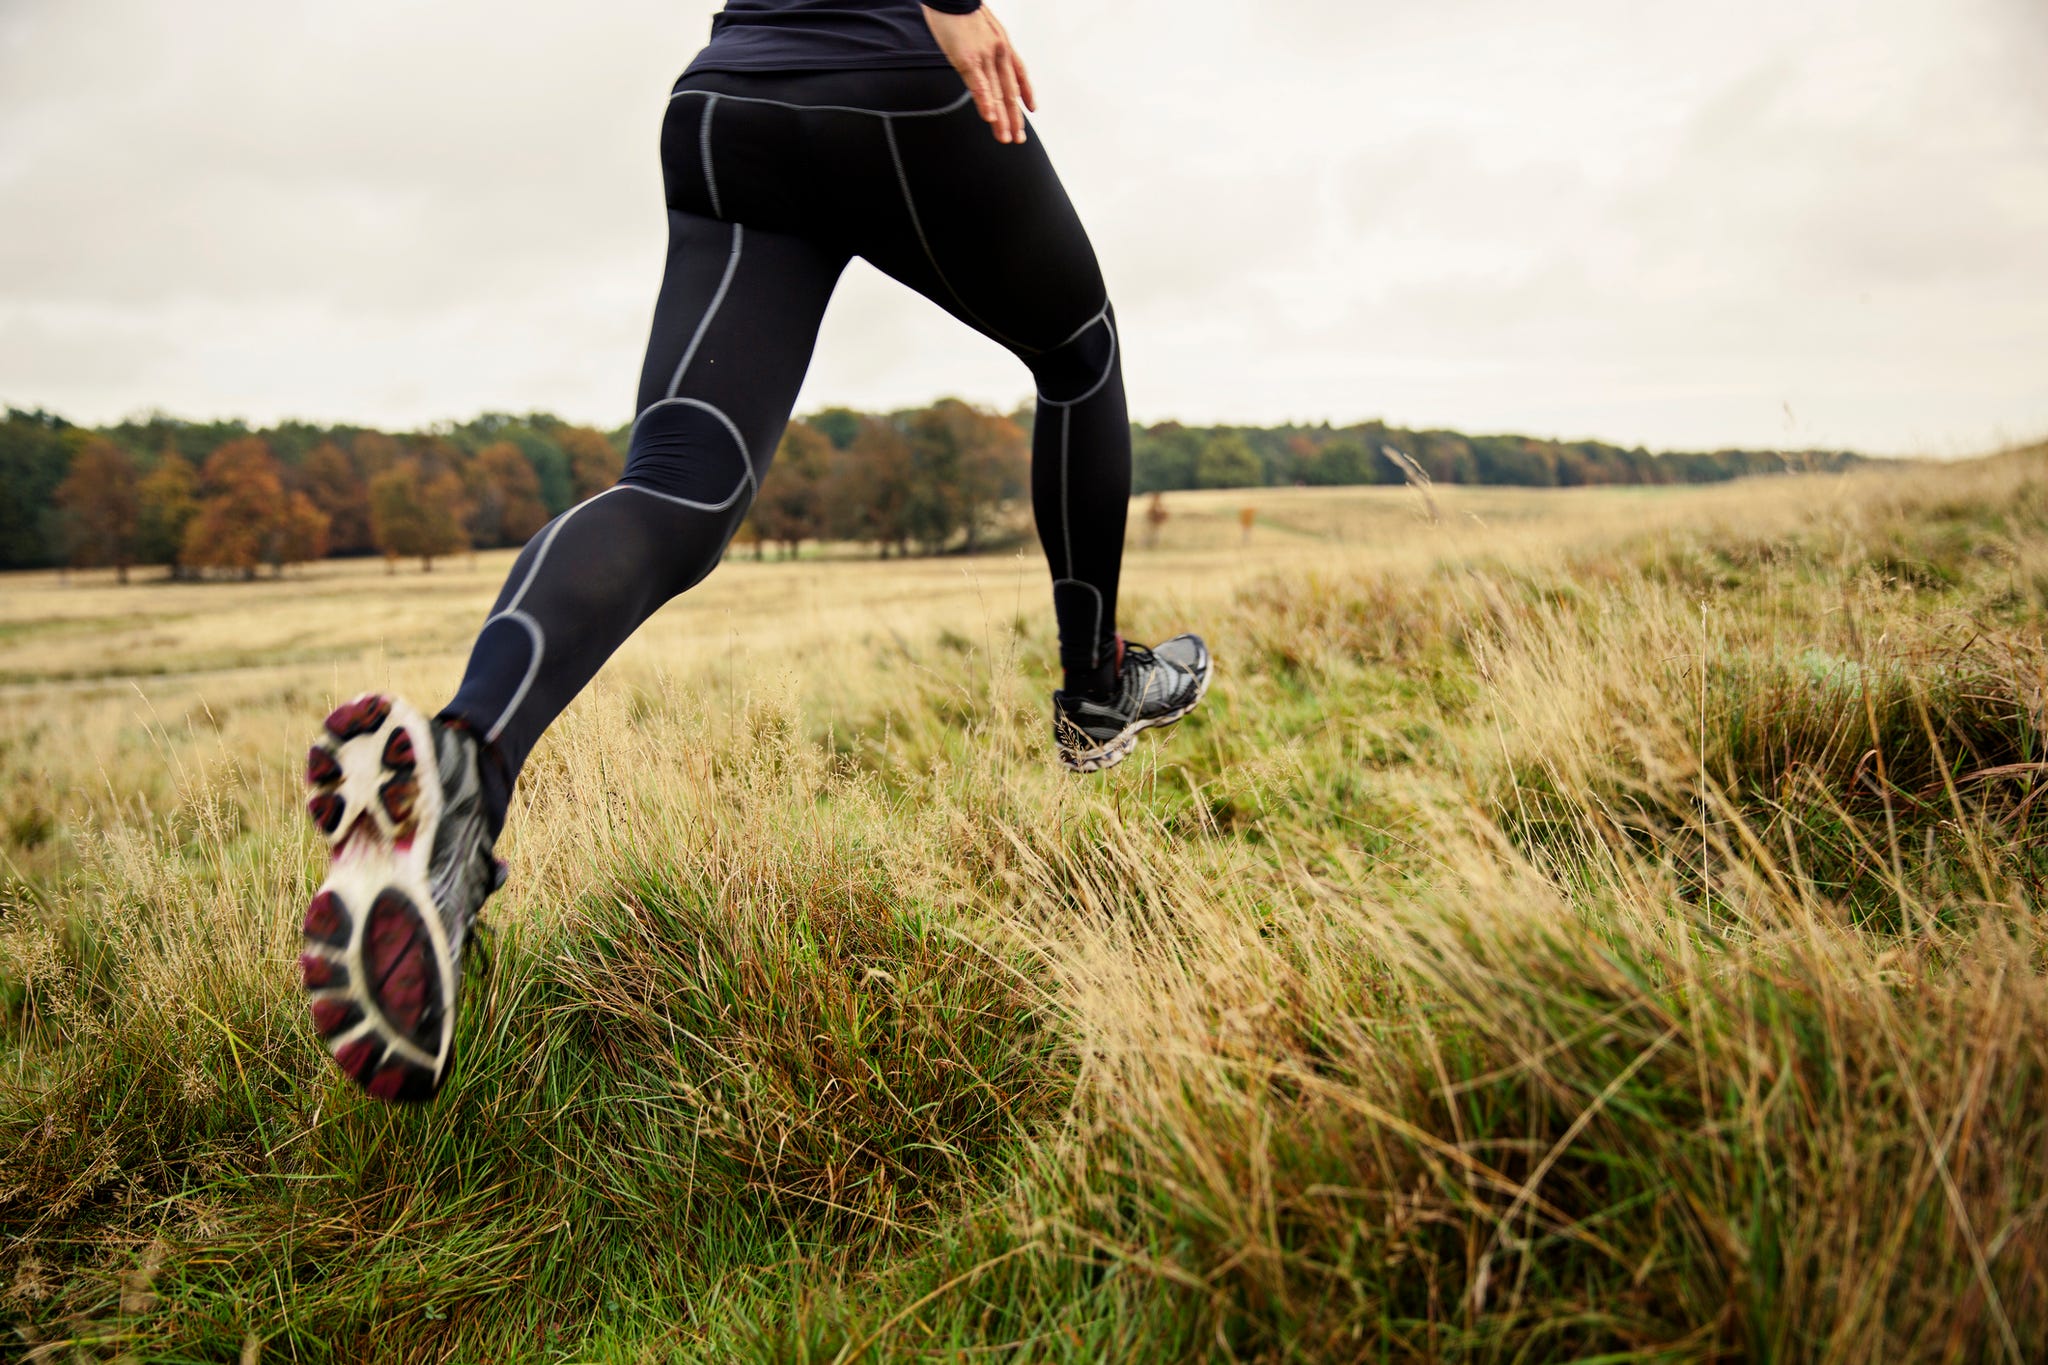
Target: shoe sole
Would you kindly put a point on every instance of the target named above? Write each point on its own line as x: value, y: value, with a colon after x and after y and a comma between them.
x: 1115, y: 750
x: 375, y: 963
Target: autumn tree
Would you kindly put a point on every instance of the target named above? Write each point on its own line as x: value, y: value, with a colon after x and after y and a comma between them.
x: 100, y: 506
x: 167, y: 501
x: 594, y: 462
x: 416, y: 513
x: 791, y: 508
x: 242, y: 500
x: 298, y: 535
x: 505, y: 505
x: 995, y: 471
x: 938, y: 437
x: 372, y: 452
x: 867, y: 490
x: 329, y: 478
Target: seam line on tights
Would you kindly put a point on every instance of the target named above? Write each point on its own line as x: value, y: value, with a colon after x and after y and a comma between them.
x: 917, y: 224
x: 540, y: 649
x: 732, y: 265
x: 1094, y: 636
x: 1108, y: 368
x: 1082, y: 330
x: 967, y: 97
x: 547, y: 543
x: 746, y: 456
x: 704, y: 153
x: 1066, y: 516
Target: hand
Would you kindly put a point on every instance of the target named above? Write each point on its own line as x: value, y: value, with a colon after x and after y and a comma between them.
x: 980, y: 51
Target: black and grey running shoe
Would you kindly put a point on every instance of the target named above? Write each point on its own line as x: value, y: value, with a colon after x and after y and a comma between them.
x: 1154, y: 686
x: 411, y: 865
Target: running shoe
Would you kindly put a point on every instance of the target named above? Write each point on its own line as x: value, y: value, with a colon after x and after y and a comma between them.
x: 1154, y: 687
x: 399, y: 801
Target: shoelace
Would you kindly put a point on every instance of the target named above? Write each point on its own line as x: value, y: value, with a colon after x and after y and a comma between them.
x: 1138, y: 662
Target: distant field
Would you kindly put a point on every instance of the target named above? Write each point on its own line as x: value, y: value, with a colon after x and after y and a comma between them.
x: 94, y: 674
x: 1593, y: 924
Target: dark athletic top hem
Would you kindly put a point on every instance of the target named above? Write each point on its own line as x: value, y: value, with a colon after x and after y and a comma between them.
x: 895, y: 61
x: 824, y: 35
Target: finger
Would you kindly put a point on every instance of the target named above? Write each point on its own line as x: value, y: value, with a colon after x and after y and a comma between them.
x: 983, y: 89
x: 998, y: 102
x: 1023, y: 76
x: 1013, y: 102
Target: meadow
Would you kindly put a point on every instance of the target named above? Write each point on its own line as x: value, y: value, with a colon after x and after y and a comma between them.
x: 1598, y: 925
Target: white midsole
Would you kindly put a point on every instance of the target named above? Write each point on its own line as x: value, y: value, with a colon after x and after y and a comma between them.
x: 364, y: 867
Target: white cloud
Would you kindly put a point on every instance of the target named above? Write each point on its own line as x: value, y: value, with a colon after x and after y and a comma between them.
x: 1654, y: 223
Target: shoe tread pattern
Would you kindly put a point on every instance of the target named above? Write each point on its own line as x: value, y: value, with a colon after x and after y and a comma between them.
x: 374, y: 963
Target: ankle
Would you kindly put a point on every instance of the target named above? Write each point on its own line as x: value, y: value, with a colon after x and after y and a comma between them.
x: 1094, y: 682
x: 495, y: 777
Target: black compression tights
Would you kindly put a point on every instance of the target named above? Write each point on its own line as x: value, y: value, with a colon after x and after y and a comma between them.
x: 773, y: 183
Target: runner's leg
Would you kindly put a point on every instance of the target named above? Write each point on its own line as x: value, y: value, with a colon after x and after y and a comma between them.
x: 733, y: 332
x: 986, y: 231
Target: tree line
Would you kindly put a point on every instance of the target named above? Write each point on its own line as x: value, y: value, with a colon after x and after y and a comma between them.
x: 1168, y: 457
x: 206, y: 499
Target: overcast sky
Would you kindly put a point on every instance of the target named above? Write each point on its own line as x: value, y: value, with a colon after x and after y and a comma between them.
x: 1759, y: 222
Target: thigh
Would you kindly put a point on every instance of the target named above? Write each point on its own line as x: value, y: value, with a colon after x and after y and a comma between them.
x: 734, y: 329
x: 985, y: 230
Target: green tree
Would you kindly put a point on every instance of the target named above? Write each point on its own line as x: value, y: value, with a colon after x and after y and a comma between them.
x: 840, y: 425
x: 1340, y: 462
x: 1227, y: 461
x: 34, y: 457
x: 1163, y: 457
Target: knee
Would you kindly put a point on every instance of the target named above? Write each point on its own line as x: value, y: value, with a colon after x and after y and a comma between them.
x: 1078, y: 367
x: 689, y: 451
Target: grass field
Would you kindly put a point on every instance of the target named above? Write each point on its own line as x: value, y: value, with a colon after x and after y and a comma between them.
x: 1597, y: 925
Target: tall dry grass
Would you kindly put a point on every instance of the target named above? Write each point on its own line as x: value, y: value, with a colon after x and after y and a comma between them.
x: 1594, y: 928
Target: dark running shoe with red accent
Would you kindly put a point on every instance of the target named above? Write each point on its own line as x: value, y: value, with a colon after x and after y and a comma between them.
x: 399, y: 802
x: 1154, y: 687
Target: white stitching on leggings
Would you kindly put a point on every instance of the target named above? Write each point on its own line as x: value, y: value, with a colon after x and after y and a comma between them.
x: 910, y: 204
x: 547, y: 542
x: 1108, y: 368
x: 540, y: 648
x: 1094, y: 636
x: 1066, y: 517
x: 512, y: 612
x: 704, y: 152
x: 732, y: 265
x: 746, y: 456
x: 966, y: 97
x: 1100, y: 314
